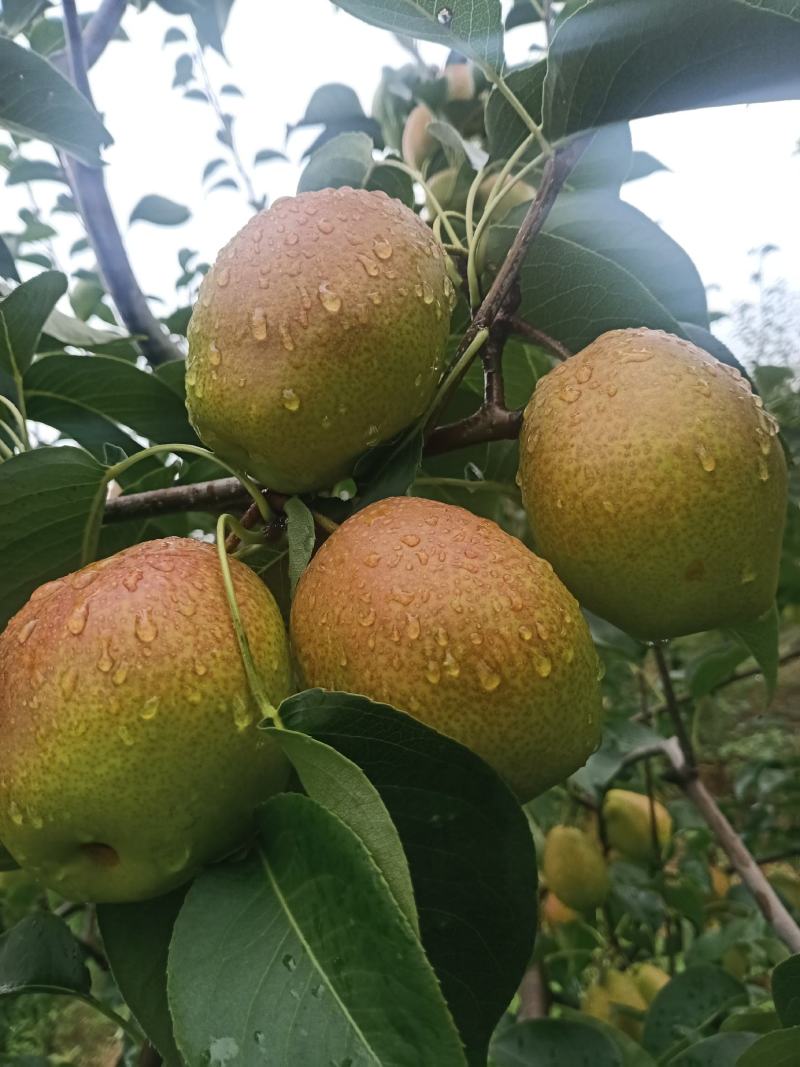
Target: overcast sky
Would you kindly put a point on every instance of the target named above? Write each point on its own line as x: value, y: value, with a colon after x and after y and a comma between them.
x: 733, y: 181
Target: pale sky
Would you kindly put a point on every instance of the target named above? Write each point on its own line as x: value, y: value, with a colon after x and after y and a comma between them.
x: 733, y: 184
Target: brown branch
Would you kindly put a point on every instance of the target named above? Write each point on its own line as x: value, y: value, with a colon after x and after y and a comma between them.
x: 475, y: 429
x: 213, y: 497
x: 539, y: 337
x: 533, y: 994
x: 89, y: 189
x: 673, y: 707
x: 99, y: 31
x: 742, y: 861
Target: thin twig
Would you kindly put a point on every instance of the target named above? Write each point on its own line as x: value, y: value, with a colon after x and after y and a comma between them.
x: 540, y: 338
x: 673, y: 707
x: 213, y: 497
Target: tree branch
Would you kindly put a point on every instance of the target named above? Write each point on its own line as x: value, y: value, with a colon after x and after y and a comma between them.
x: 533, y: 994
x: 214, y: 496
x: 88, y: 188
x: 539, y: 337
x: 741, y: 859
x: 99, y: 31
x: 673, y: 707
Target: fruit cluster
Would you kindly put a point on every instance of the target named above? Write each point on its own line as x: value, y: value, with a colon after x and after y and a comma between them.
x: 651, y: 476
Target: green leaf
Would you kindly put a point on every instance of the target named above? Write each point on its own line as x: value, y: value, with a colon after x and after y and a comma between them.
x: 468, y: 844
x: 761, y: 638
x: 553, y: 1043
x: 456, y: 149
x: 713, y: 666
x: 302, y: 948
x: 786, y: 991
x: 35, y: 101
x: 45, y: 500
x: 505, y: 129
x: 392, y: 181
x: 8, y: 268
x: 643, y: 165
x: 212, y: 167
x: 613, y: 59
x: 301, y: 537
x: 160, y: 211
x: 34, y: 170
x: 136, y: 941
x: 389, y: 469
x: 184, y: 70
x: 632, y: 1053
x: 781, y: 1048
x: 72, y: 392
x: 17, y: 14
x: 337, y: 783
x: 344, y: 160
x: 266, y: 155
x: 687, y: 1001
x: 7, y: 861
x: 574, y: 293
x: 173, y: 34
x: 522, y: 13
x: 331, y: 103
x: 23, y: 315
x: 721, y: 1050
x: 210, y: 18
x: 40, y: 955
x: 473, y: 28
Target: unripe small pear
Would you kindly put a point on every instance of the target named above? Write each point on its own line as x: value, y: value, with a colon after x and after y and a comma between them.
x: 650, y: 979
x: 655, y: 484
x: 555, y: 912
x: 418, y: 144
x: 460, y: 80
x: 575, y: 869
x: 605, y: 998
x: 130, y: 753
x: 629, y: 827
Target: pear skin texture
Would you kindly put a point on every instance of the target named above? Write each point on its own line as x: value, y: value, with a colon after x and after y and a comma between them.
x: 629, y: 827
x: 319, y: 332
x: 130, y: 751
x: 616, y: 988
x: 556, y: 913
x: 440, y: 613
x: 650, y: 980
x: 655, y: 485
x: 575, y: 869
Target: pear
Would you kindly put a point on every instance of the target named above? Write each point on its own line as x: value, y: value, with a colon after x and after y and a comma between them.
x: 319, y: 332
x: 614, y: 991
x: 655, y: 485
x: 130, y: 752
x: 555, y: 912
x: 442, y: 614
x: 629, y: 827
x: 575, y: 869
x: 650, y: 980
x: 418, y: 143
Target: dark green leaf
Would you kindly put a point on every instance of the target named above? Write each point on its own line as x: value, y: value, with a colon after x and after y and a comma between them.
x: 690, y: 999
x: 337, y: 783
x: 613, y: 59
x: 574, y: 293
x: 475, y: 29
x: 504, y: 127
x: 63, y: 389
x: 136, y: 941
x: 786, y: 991
x: 160, y: 210
x: 392, y: 181
x: 23, y: 315
x: 8, y: 268
x: 522, y: 13
x: 331, y: 103
x: 713, y: 666
x: 34, y: 170
x: 344, y: 160
x: 301, y: 537
x: 7, y: 861
x: 778, y: 1049
x: 17, y: 14
x: 389, y: 469
x: 761, y: 638
x: 721, y: 1050
x: 45, y: 499
x: 468, y: 844
x: 302, y: 948
x: 40, y: 954
x: 553, y: 1043
x: 35, y: 101
x: 266, y: 155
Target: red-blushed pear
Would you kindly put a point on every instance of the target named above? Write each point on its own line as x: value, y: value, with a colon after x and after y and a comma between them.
x: 444, y: 615
x: 130, y: 753
x: 319, y: 332
x: 655, y: 485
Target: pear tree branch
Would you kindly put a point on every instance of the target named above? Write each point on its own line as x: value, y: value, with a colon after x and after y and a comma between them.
x: 89, y: 189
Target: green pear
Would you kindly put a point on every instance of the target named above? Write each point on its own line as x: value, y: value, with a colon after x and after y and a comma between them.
x: 319, y: 332
x: 445, y: 616
x: 606, y: 999
x: 130, y: 752
x: 655, y: 485
x: 629, y: 827
x: 575, y: 869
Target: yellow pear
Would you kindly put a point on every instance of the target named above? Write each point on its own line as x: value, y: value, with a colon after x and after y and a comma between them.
x: 555, y: 912
x: 604, y: 998
x: 319, y: 332
x: 629, y: 827
x: 445, y: 616
x: 575, y: 869
x: 130, y: 753
x: 650, y: 979
x: 655, y: 484
x: 720, y: 882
